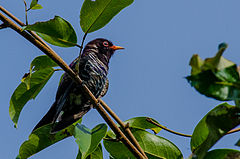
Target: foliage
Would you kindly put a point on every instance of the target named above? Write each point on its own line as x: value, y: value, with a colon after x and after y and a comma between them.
x: 41, y: 138
x: 56, y: 31
x: 89, y: 140
x: 214, y: 77
x: 41, y: 70
x: 34, y: 5
x: 154, y: 146
x: 223, y: 154
x: 96, y: 14
x: 142, y: 123
x: 213, y: 126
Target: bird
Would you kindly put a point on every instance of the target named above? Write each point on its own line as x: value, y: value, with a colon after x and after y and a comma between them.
x: 70, y: 103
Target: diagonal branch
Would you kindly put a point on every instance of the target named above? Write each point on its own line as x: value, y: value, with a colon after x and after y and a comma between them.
x: 55, y: 57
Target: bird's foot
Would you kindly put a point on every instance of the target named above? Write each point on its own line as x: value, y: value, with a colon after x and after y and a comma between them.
x: 98, y: 103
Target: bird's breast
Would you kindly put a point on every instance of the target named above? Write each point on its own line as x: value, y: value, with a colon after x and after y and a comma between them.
x: 94, y: 75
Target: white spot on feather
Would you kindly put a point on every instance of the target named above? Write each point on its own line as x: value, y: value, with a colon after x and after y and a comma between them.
x: 60, y: 116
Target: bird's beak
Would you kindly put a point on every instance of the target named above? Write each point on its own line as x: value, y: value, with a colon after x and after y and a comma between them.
x: 116, y: 47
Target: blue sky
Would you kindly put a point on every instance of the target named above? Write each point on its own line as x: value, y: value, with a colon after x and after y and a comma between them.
x: 146, y: 79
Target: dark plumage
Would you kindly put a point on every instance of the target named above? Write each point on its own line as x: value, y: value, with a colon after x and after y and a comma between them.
x: 71, y: 104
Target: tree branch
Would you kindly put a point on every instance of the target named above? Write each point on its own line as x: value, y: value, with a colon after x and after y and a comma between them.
x: 123, y: 126
x: 3, y: 26
x: 55, y: 57
x: 233, y: 131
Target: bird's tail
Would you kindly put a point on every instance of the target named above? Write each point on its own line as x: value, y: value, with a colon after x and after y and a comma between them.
x: 48, y: 118
x: 67, y: 121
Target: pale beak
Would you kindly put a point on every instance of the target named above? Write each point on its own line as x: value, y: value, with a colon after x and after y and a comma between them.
x: 116, y: 47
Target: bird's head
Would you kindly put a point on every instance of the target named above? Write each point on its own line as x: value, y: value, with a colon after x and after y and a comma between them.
x: 103, y: 48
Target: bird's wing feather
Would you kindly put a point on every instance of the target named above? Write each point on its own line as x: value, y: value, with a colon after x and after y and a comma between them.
x: 105, y: 89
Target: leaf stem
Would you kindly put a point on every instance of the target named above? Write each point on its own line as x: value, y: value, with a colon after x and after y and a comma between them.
x: 81, y: 47
x: 165, y: 128
x: 229, y: 84
x: 55, y: 57
x: 58, y: 69
x: 225, y: 83
x: 181, y: 134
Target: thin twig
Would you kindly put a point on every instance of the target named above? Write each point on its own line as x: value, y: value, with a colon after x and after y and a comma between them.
x: 80, y: 53
x: 124, y: 127
x: 55, y: 57
x: 22, y: 24
x: 181, y: 134
x: 163, y: 127
x: 81, y: 47
x: 26, y: 18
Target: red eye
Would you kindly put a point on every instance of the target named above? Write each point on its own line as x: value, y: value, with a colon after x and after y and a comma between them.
x: 105, y: 43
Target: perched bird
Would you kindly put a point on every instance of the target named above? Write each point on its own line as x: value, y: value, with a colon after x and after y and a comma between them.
x: 71, y: 103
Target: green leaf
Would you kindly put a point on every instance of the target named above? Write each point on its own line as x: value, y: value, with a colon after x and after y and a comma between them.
x: 41, y: 139
x: 42, y: 62
x: 222, y: 85
x: 223, y: 154
x: 88, y: 140
x: 217, y: 62
x: 196, y: 63
x: 96, y: 154
x: 213, y: 126
x: 142, y: 123
x: 24, y: 93
x: 154, y: 146
x: 117, y: 149
x: 56, y: 31
x: 95, y: 14
x: 34, y: 5
x: 31, y: 85
x: 139, y: 123
x: 37, y: 6
x: 215, y: 77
